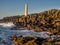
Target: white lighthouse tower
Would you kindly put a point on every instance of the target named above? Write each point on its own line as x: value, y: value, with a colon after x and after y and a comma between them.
x: 26, y: 9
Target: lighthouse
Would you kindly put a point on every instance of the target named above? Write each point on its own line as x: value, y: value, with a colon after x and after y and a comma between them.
x: 26, y: 9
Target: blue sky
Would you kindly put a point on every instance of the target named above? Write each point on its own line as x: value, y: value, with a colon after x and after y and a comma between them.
x: 16, y: 7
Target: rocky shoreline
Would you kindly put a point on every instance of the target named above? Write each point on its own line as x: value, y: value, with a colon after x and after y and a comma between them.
x: 39, y: 22
x: 45, y: 21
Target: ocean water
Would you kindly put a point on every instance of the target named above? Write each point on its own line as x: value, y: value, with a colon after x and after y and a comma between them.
x: 6, y: 33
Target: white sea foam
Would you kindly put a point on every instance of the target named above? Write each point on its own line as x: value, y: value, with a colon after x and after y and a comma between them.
x: 9, y: 24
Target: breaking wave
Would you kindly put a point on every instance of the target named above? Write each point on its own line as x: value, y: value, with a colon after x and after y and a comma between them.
x: 10, y: 24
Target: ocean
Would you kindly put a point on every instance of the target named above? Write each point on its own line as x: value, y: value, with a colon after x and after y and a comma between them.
x: 6, y: 34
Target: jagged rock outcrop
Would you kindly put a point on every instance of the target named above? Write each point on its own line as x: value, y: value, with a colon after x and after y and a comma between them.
x: 44, y: 21
x: 35, y: 41
x: 27, y: 40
